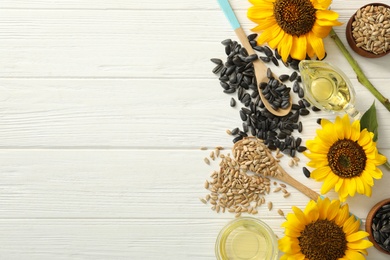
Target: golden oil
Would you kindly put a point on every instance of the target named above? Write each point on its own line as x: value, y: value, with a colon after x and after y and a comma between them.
x: 246, y: 239
x: 327, y: 87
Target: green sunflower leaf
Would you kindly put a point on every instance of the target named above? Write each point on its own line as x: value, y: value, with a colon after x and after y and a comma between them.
x: 370, y: 122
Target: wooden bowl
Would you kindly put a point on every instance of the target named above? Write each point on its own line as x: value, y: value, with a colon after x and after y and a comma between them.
x: 370, y: 217
x: 351, y: 40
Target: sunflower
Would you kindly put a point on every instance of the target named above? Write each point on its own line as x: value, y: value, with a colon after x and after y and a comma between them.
x: 324, y: 230
x: 293, y: 27
x: 345, y: 158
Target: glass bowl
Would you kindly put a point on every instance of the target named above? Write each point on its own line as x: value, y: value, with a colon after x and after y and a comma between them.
x: 351, y: 40
x: 246, y: 238
x: 372, y: 218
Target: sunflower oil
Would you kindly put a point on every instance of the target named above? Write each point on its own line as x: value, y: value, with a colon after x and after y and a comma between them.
x: 246, y: 239
x: 327, y: 87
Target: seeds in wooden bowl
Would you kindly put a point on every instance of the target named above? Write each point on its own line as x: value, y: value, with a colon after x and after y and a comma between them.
x: 371, y: 29
x: 381, y: 227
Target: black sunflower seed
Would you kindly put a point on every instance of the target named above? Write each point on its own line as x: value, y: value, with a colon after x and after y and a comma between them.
x: 232, y: 102
x: 301, y: 93
x: 268, y: 52
x: 306, y: 172
x: 293, y: 76
x: 259, y: 48
x: 265, y: 58
x: 275, y: 61
x: 284, y: 77
x: 252, y: 36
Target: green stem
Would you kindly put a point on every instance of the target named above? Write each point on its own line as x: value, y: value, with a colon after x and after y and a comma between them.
x: 360, y: 75
x: 387, y: 165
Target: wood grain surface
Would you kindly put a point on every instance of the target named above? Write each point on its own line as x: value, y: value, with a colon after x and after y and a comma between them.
x: 104, y: 106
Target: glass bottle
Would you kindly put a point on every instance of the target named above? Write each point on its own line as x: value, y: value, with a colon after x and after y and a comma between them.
x: 327, y: 87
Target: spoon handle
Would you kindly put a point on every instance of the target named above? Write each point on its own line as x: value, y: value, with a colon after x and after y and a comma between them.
x: 296, y: 184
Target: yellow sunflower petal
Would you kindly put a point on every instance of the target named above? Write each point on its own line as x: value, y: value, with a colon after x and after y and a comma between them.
x: 323, y: 206
x: 317, y: 146
x: 324, y: 22
x: 256, y: 2
x: 260, y: 12
x: 346, y: 126
x: 329, y: 183
x: 359, y: 185
x: 342, y: 215
x: 380, y: 159
x: 351, y: 184
x: 355, y: 130
x: 367, y: 178
x: 339, y: 128
x: 266, y: 25
x: 357, y: 236
x: 376, y: 174
x: 311, y: 211
x: 365, y: 138
x: 288, y: 245
x: 354, y: 255
x: 333, y: 209
x: 321, y: 173
x: 298, y: 50
x: 367, y: 189
x: 321, y: 4
x: 317, y: 163
x: 276, y: 40
x: 362, y: 244
x: 327, y: 15
x: 293, y: 222
x: 343, y: 191
x: 321, y: 31
x: 285, y: 46
x: 351, y: 225
x: 338, y: 185
x: 300, y: 215
x: 266, y: 35
x: 317, y: 44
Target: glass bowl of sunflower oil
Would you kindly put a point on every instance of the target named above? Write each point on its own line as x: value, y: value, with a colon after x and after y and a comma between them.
x: 246, y: 238
x: 327, y: 87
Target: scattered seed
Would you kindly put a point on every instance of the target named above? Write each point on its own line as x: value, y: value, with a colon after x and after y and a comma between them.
x: 280, y: 212
x: 269, y: 205
x: 277, y: 189
x: 207, y: 161
x: 306, y: 172
x: 232, y: 102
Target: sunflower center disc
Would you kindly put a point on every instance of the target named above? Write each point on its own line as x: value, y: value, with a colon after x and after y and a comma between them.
x: 323, y: 239
x: 295, y: 17
x: 347, y: 158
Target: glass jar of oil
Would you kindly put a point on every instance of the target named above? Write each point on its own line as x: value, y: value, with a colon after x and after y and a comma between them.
x: 327, y: 87
x: 246, y: 238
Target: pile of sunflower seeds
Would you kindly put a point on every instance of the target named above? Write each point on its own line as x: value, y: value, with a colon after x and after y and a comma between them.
x: 381, y: 227
x: 371, y: 29
x: 233, y: 189
x: 236, y: 75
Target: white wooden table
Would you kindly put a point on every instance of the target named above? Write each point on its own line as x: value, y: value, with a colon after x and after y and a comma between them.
x: 103, y: 108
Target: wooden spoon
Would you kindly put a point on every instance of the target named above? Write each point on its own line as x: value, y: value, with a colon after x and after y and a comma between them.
x: 259, y: 66
x: 261, y: 74
x: 283, y: 175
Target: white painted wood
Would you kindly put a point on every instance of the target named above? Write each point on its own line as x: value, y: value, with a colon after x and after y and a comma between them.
x: 130, y: 113
x: 103, y: 108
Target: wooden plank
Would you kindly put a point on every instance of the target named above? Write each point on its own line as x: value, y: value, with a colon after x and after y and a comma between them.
x: 140, y: 184
x: 106, y: 44
x: 132, y: 113
x: 117, y: 239
x: 146, y: 4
